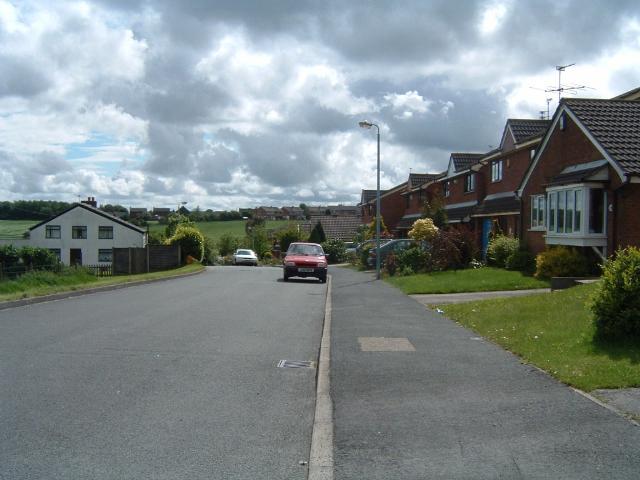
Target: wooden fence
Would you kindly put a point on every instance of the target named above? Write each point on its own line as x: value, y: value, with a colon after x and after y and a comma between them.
x: 152, y: 258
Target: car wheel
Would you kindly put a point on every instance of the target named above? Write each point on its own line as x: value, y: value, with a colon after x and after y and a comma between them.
x: 323, y: 279
x: 286, y: 278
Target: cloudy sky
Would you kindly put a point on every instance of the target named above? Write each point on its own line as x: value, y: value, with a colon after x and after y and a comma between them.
x: 230, y: 103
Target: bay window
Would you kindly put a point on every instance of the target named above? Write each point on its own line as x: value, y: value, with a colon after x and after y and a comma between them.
x: 578, y: 211
x: 537, y: 211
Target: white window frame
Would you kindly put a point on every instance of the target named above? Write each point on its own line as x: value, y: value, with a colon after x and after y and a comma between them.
x: 447, y: 189
x: 496, y: 170
x: 469, y: 182
x: 538, y: 212
x: 578, y: 234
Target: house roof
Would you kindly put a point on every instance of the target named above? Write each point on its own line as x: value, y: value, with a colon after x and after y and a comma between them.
x: 407, y: 221
x: 417, y: 179
x: 335, y: 228
x: 615, y: 125
x: 578, y: 173
x: 630, y: 95
x: 367, y: 196
x: 463, y: 161
x: 503, y: 203
x: 525, y: 128
x: 97, y: 212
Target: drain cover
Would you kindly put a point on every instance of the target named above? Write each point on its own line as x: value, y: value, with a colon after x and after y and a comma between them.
x: 295, y: 364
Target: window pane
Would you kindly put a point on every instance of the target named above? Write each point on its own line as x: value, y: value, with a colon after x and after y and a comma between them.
x: 534, y: 212
x: 105, y: 232
x: 105, y: 255
x: 596, y: 210
x: 577, y: 226
x: 541, y: 211
x: 552, y: 211
x: 561, y: 206
x: 568, y: 226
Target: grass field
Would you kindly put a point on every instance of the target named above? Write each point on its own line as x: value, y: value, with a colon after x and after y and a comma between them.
x: 36, y: 284
x: 471, y: 280
x: 554, y: 331
x: 15, y: 228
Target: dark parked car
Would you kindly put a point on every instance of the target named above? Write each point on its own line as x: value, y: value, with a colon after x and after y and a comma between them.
x: 305, y: 260
x: 394, y: 246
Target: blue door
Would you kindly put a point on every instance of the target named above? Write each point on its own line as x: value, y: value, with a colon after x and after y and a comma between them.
x: 486, y: 231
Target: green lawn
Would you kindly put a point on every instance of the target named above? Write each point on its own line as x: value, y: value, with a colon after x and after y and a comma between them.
x: 555, y: 332
x: 15, y: 228
x: 484, y: 279
x: 46, y: 283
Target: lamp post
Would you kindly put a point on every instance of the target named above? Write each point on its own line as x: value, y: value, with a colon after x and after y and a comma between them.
x: 366, y: 124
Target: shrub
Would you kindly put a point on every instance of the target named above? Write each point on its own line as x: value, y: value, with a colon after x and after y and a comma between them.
x: 391, y: 264
x: 616, y: 304
x: 38, y: 258
x: 414, y: 259
x: 227, y: 244
x: 500, y: 248
x: 561, y: 261
x: 191, y: 241
x: 452, y: 249
x: 210, y: 252
x: 317, y: 234
x: 9, y: 255
x: 423, y: 229
x: 364, y: 256
x: 335, y: 250
x: 521, y: 260
x: 287, y: 237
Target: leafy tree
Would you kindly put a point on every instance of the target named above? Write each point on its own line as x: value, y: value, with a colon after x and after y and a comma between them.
x: 434, y: 209
x: 191, y: 241
x: 305, y: 210
x: 371, y: 231
x: 423, y: 230
x: 335, y: 250
x: 317, y: 234
x: 173, y: 221
x: 288, y: 236
x: 227, y: 244
x: 258, y: 241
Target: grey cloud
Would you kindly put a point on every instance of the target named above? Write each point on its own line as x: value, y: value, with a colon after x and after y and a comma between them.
x: 172, y: 149
x: 21, y: 77
x: 216, y: 164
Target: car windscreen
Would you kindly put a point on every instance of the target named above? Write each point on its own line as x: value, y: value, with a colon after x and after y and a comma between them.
x: 243, y: 252
x: 299, y: 249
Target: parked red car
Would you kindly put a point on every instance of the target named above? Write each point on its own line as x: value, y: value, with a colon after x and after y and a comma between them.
x: 305, y: 260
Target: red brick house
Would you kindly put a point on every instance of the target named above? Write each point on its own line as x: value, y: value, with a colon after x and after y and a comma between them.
x: 392, y: 205
x: 583, y: 185
x: 415, y: 196
x: 460, y: 187
x: 500, y: 173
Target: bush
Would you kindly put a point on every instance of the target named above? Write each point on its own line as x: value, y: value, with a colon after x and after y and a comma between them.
x: 227, y: 244
x: 317, y: 234
x: 500, y: 248
x: 210, y: 252
x: 391, y: 264
x: 423, y: 230
x: 616, y: 304
x: 522, y: 260
x: 9, y: 255
x: 452, y: 249
x: 191, y: 242
x: 287, y: 237
x: 414, y: 259
x: 364, y: 256
x: 561, y: 261
x: 335, y: 250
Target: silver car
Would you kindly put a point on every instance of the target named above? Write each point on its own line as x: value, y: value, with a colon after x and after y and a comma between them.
x: 244, y: 256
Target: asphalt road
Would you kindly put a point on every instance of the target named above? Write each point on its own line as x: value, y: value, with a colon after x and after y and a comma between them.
x: 172, y: 380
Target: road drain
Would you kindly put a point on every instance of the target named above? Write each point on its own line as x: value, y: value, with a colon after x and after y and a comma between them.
x: 295, y: 364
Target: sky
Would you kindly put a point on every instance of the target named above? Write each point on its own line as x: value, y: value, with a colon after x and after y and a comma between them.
x: 227, y: 103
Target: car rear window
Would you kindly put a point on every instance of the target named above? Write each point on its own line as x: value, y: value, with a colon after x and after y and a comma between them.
x: 244, y: 252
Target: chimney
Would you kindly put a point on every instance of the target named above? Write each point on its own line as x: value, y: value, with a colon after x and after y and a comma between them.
x: 91, y: 201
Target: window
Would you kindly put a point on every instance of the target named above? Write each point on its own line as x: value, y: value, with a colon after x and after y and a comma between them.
x: 105, y: 232
x: 105, y: 255
x: 79, y: 232
x: 496, y: 170
x: 57, y: 253
x: 447, y: 189
x: 568, y: 208
x: 52, y: 231
x: 470, y: 182
x: 537, y: 211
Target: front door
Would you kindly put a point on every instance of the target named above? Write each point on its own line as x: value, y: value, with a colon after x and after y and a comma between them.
x: 487, y: 224
x: 75, y: 256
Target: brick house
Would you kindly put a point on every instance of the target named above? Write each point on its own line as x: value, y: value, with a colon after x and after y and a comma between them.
x: 269, y: 213
x: 460, y: 187
x: 415, y: 196
x: 583, y: 185
x: 367, y: 205
x: 499, y: 174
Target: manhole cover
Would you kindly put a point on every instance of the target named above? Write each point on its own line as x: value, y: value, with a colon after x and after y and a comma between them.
x: 385, y: 344
x: 295, y: 364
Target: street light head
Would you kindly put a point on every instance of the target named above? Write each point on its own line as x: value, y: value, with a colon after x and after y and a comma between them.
x: 365, y: 124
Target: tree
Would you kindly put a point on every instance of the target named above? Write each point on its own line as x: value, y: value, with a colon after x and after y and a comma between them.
x: 191, y: 241
x: 305, y: 210
x: 371, y: 231
x: 173, y: 221
x: 288, y: 236
x: 227, y: 244
x: 317, y: 234
x: 423, y: 230
x: 434, y: 209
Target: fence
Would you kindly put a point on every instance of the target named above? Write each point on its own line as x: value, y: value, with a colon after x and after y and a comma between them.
x: 152, y: 258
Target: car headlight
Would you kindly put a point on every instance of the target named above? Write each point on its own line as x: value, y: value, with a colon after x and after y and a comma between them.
x: 322, y: 264
x: 289, y: 264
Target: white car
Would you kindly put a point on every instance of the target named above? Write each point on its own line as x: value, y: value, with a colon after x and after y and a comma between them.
x: 243, y: 256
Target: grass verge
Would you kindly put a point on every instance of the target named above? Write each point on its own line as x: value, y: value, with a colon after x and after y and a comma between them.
x: 37, y: 284
x: 484, y: 279
x: 555, y: 332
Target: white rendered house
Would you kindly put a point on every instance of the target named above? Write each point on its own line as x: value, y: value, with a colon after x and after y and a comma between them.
x: 84, y: 235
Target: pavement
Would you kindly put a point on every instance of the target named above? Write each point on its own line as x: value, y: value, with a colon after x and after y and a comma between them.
x: 442, y: 298
x: 417, y: 396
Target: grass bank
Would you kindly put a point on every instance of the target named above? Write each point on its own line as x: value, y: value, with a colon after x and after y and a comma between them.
x: 484, y: 279
x: 15, y: 228
x: 37, y: 284
x: 214, y: 230
x: 555, y: 332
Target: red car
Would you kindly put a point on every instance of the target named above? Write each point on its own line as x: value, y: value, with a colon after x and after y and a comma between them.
x: 305, y: 260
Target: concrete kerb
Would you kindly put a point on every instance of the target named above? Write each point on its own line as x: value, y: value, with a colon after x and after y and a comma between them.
x: 321, y: 454
x: 87, y: 291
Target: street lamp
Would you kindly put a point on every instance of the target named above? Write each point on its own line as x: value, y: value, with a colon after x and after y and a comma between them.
x: 366, y: 124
